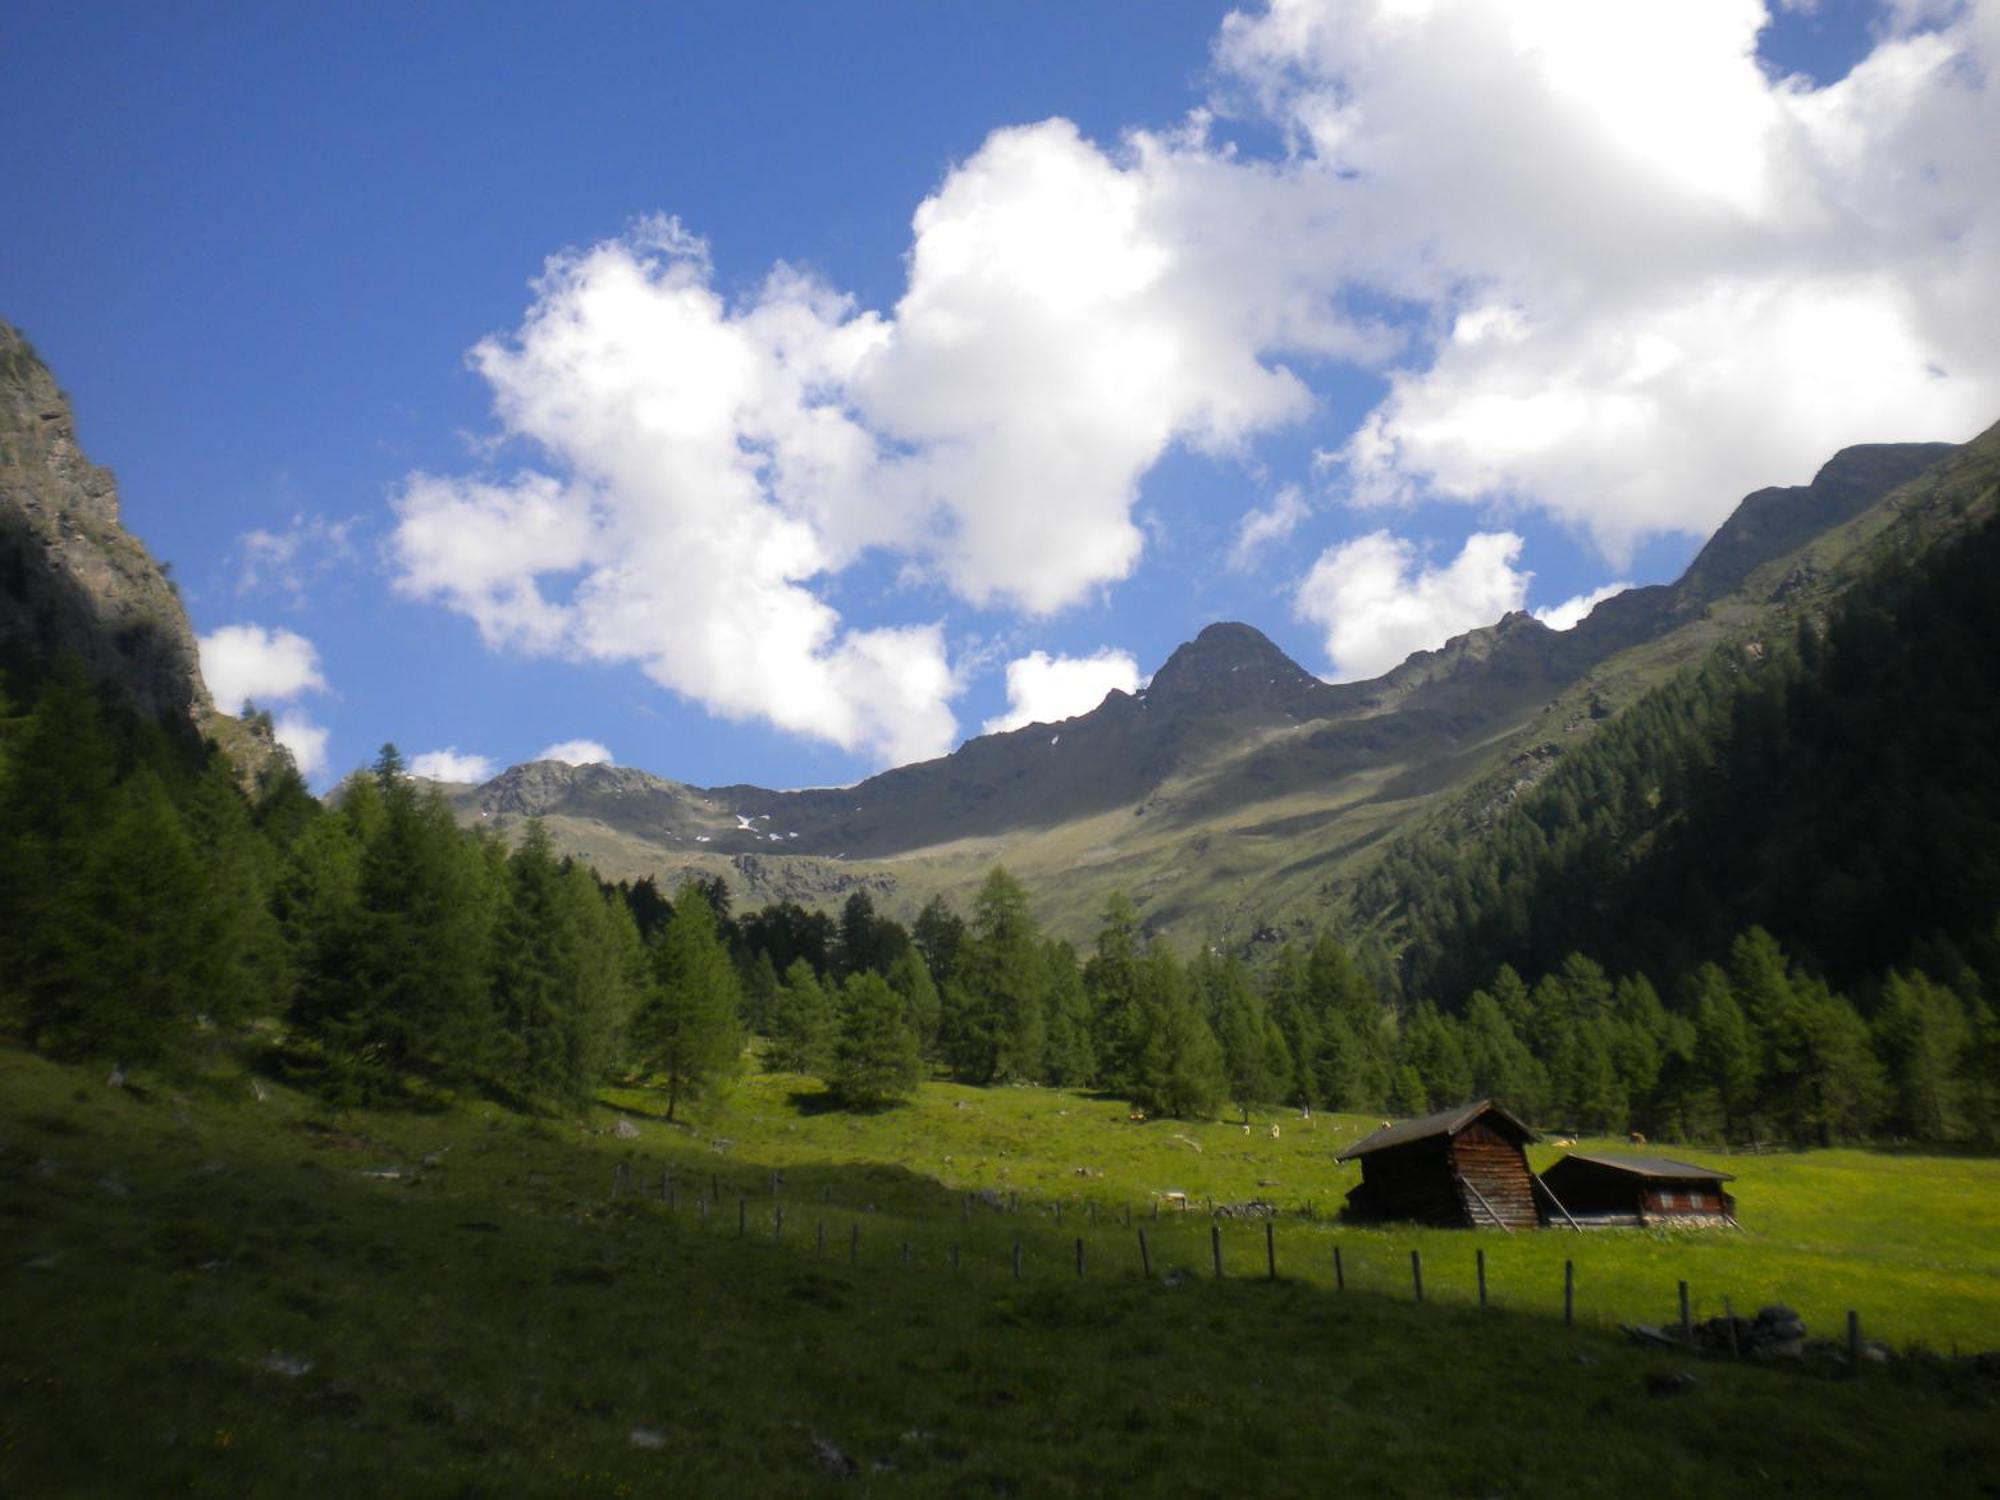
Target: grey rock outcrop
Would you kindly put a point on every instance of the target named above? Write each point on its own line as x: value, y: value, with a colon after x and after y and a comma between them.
x: 72, y: 579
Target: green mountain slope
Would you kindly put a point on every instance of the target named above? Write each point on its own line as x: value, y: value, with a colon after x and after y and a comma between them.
x: 1840, y: 787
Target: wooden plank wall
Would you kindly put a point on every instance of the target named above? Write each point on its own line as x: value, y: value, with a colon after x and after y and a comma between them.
x: 1498, y: 1167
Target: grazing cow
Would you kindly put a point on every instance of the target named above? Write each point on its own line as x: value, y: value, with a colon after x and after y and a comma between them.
x: 1635, y: 1137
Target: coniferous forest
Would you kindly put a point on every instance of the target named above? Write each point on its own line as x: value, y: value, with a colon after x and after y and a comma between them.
x: 1760, y: 905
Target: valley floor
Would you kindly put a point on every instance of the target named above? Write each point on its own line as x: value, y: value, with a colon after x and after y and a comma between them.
x: 203, y: 1292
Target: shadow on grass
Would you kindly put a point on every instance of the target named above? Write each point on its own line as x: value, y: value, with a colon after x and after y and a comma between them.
x: 824, y: 1101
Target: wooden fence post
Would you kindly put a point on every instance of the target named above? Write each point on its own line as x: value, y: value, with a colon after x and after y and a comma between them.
x: 1479, y: 1262
x: 1215, y: 1245
x: 1079, y: 1255
x: 1145, y: 1256
x: 1270, y: 1251
x: 1687, y: 1318
x: 1339, y: 1272
x: 1569, y: 1293
x: 1417, y: 1273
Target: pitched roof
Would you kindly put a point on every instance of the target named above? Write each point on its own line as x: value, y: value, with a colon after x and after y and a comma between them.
x: 1651, y: 1166
x: 1447, y: 1122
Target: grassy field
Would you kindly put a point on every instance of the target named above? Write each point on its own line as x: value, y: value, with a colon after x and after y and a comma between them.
x: 1912, y: 1242
x: 205, y: 1293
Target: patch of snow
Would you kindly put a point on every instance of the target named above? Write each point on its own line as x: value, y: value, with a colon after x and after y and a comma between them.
x: 701, y: 838
x: 1055, y: 739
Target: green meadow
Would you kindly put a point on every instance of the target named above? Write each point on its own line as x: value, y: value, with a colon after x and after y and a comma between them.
x: 206, y: 1292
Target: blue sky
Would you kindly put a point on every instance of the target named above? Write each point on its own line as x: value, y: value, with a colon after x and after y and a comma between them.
x: 908, y: 368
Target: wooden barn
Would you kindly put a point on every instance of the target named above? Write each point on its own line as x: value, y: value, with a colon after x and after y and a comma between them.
x: 1603, y: 1191
x: 1464, y: 1168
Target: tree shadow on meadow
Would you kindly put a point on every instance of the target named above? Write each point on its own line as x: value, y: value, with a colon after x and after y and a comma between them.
x: 824, y: 1101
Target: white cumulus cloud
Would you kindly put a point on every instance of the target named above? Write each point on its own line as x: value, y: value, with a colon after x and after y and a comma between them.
x: 577, y: 753
x: 306, y: 740
x: 1044, y: 689
x: 1570, y: 613
x: 451, y: 764
x: 1378, y: 601
x: 246, y: 664
x: 1267, y: 527
x: 1609, y: 266
x: 1648, y: 309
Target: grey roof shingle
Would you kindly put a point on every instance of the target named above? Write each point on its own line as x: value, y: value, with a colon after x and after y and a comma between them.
x: 1445, y: 1122
x: 1652, y: 1166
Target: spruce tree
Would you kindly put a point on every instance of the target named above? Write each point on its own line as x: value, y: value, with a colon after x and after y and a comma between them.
x: 686, y: 1033
x: 910, y: 977
x: 1119, y: 1024
x: 1921, y: 1035
x: 801, y: 1024
x: 875, y: 1058
x: 1001, y: 1029
x: 1068, y: 1058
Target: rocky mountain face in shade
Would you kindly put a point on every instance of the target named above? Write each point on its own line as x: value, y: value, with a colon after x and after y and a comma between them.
x: 72, y: 579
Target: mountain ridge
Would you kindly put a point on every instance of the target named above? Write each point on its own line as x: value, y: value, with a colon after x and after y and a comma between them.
x: 1230, y: 753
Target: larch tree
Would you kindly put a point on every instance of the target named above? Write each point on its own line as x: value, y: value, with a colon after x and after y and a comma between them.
x: 687, y: 1033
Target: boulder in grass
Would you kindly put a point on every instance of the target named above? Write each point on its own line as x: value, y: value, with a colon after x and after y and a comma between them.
x: 625, y: 1130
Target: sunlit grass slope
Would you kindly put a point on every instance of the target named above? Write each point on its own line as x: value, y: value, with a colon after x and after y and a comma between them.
x: 203, y: 1293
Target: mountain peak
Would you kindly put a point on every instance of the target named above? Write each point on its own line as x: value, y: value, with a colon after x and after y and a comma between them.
x: 1224, y: 658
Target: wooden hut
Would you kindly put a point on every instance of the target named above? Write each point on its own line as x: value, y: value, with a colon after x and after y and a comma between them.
x: 1603, y: 1191
x: 1464, y: 1168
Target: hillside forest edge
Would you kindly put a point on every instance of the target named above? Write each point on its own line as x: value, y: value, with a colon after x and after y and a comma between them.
x: 1763, y: 904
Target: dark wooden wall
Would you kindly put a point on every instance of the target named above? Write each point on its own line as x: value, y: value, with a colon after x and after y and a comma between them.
x: 1494, y: 1163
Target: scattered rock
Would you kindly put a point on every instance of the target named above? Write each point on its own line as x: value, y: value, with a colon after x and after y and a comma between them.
x: 44, y: 1262
x: 291, y: 1366
x: 832, y: 1459
x: 116, y: 1080
x: 648, y: 1437
x: 1676, y: 1383
x: 1256, y: 1208
x: 625, y: 1130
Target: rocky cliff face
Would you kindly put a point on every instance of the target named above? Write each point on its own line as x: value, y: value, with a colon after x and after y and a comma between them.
x: 72, y: 580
